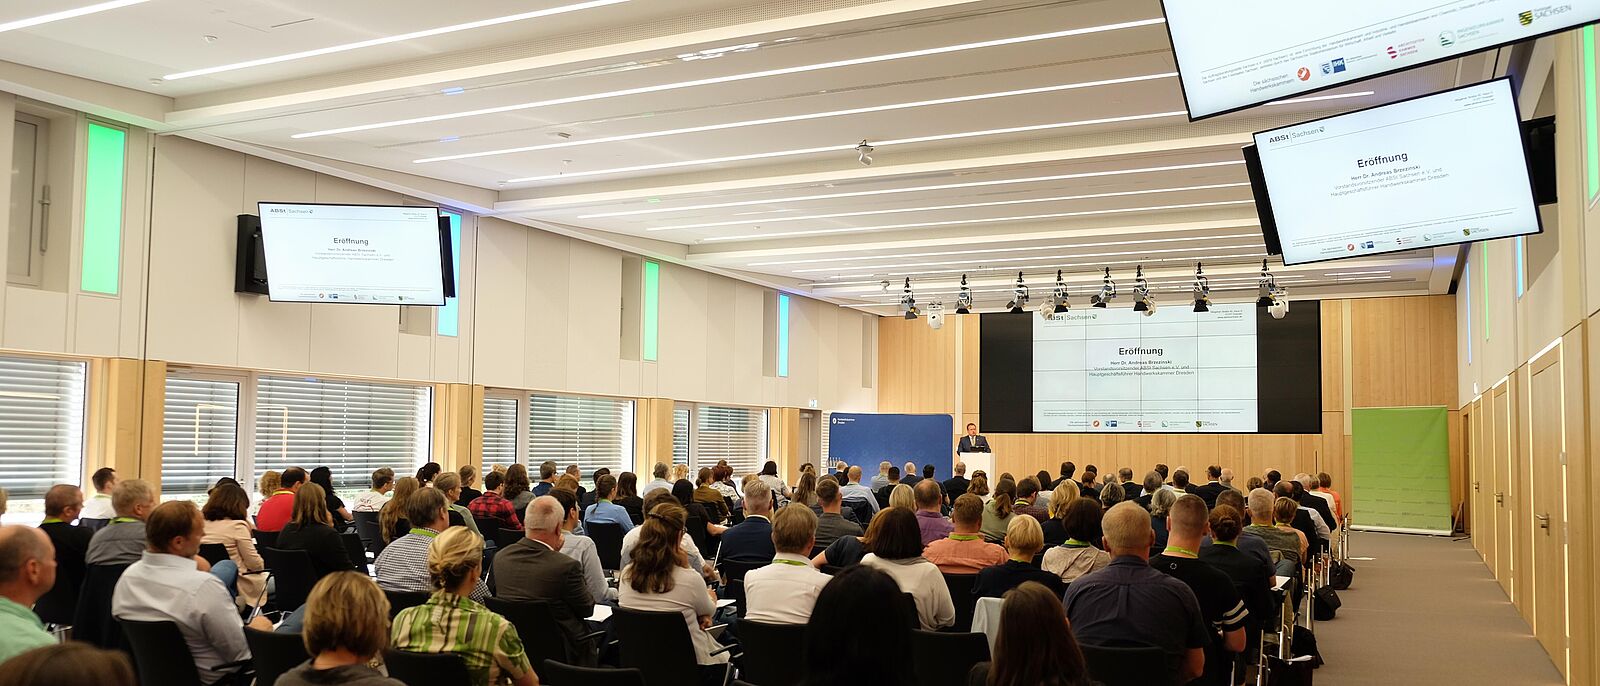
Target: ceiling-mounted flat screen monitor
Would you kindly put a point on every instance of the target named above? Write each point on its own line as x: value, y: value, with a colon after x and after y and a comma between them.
x: 1437, y: 170
x: 362, y: 254
x: 1241, y: 53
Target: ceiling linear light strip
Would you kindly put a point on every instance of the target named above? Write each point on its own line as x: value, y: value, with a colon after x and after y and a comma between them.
x: 959, y: 222
x: 915, y: 189
x: 794, y: 118
x: 839, y: 148
x: 1320, y: 98
x: 962, y: 206
x: 731, y: 78
x: 385, y: 40
x: 987, y: 251
x: 1028, y: 259
x: 67, y: 14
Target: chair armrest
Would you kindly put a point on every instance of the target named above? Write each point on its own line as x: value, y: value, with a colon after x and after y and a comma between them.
x: 725, y: 649
x: 592, y: 636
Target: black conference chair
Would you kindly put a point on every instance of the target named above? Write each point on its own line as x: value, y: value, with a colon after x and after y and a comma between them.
x: 213, y: 552
x: 487, y: 526
x: 542, y: 636
x: 607, y: 543
x: 1129, y: 665
x: 267, y: 539
x: 505, y: 538
x: 355, y: 550
x: 696, y: 527
x: 960, y: 586
x: 769, y: 652
x: 367, y: 528
x: 862, y: 510
x: 944, y: 659
x: 294, y: 574
x: 160, y: 655
x: 552, y: 673
x: 426, y: 669
x: 91, y: 621
x: 658, y: 644
x: 274, y: 653
x: 400, y: 600
x: 93, y: 524
x: 456, y: 519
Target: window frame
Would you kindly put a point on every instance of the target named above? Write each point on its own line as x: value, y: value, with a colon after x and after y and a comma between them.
x: 244, y: 422
x: 764, y: 434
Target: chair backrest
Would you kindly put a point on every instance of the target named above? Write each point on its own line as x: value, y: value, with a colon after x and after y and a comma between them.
x: 769, y: 652
x: 1129, y: 665
x: 552, y: 673
x: 274, y: 653
x: 735, y: 591
x: 93, y: 524
x: 735, y: 571
x: 455, y: 518
x: 487, y: 526
x: 960, y: 586
x: 541, y: 636
x: 400, y: 600
x: 268, y: 539
x: 696, y: 526
x: 213, y: 552
x: 368, y: 529
x: 355, y: 550
x: 944, y: 659
x: 160, y: 654
x: 294, y: 576
x: 507, y: 537
x: 426, y: 669
x: 862, y: 510
x: 91, y: 621
x: 607, y: 539
x: 656, y: 643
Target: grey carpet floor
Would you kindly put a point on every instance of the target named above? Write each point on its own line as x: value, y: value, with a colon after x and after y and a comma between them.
x: 1426, y: 610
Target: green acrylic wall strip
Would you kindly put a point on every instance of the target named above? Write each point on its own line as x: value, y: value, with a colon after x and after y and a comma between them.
x: 652, y: 311
x: 1591, y: 114
x: 783, y: 335
x: 105, y: 166
x: 1483, y: 254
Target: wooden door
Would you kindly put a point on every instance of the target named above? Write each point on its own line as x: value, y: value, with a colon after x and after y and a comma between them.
x: 1502, y: 493
x: 1547, y: 555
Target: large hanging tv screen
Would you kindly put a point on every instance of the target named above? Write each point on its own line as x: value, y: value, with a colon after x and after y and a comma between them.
x: 361, y: 254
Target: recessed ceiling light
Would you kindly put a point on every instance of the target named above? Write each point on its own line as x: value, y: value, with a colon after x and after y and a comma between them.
x: 657, y: 88
x: 452, y: 90
x: 385, y: 40
x: 838, y: 148
x: 962, y: 206
x: 912, y: 189
x: 1320, y: 98
x: 958, y: 222
x: 67, y: 14
x: 986, y: 251
x: 796, y: 117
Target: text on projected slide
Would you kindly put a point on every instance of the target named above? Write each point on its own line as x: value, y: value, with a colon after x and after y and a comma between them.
x: 362, y: 254
x: 1116, y: 370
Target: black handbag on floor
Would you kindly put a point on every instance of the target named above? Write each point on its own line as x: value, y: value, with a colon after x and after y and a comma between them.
x: 1325, y: 604
x: 1289, y: 673
x: 1305, y: 645
x: 1340, y: 576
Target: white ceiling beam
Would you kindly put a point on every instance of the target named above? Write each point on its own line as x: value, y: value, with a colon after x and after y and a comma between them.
x: 115, y: 103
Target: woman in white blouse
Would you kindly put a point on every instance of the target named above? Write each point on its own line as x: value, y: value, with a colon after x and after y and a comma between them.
x: 658, y: 579
x: 894, y: 545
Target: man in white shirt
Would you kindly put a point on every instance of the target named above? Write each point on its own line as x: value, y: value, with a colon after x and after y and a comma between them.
x: 855, y: 491
x: 375, y: 499
x: 785, y: 591
x: 660, y: 480
x: 165, y: 585
x: 99, y: 505
x: 882, y: 479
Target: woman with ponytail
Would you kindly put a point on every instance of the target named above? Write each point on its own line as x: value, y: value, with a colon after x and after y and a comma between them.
x: 658, y: 579
x: 997, y: 513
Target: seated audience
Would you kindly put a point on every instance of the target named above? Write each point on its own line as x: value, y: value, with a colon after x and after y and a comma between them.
x: 581, y: 548
x: 27, y: 572
x: 751, y: 540
x: 275, y: 511
x: 346, y: 627
x: 165, y: 585
x: 656, y: 580
x: 1325, y: 487
x: 1086, y: 487
x: 372, y: 500
x: 661, y: 472
x: 63, y: 504
x: 999, y: 512
x: 404, y: 563
x: 469, y: 482
x: 955, y: 486
x: 1027, y: 500
x: 516, y: 487
x: 860, y: 632
x: 490, y: 505
x: 1128, y: 603
x: 452, y: 621
x: 1248, y: 542
x: 711, y: 498
x: 909, y: 475
x: 577, y: 480
x: 929, y: 502
x: 449, y: 484
x: 627, y: 497
x: 392, y: 522
x: 533, y: 568
x: 68, y: 664
x: 1220, y: 604
x: 882, y: 479
x: 855, y: 492
x: 1046, y: 488
x: 1180, y: 482
x: 99, y: 505
x: 690, y: 550
x: 1034, y: 646
x: 769, y: 476
x: 122, y: 542
x: 895, y: 546
x: 831, y: 522
x: 784, y: 591
x: 903, y: 497
x: 1077, y: 556
x: 1153, y: 481
x: 979, y: 486
x: 1286, y: 545
x: 224, y: 515
x: 1063, y: 495
x: 322, y: 476
x: 883, y: 492
x: 1303, y: 519
x: 1024, y: 540
x: 426, y: 474
x: 311, y: 529
x: 1211, y: 489
x: 683, y: 491
x: 964, y: 551
x: 265, y: 486
x: 605, y: 510
x: 1111, y: 495
x: 1160, y: 503
x: 1250, y: 575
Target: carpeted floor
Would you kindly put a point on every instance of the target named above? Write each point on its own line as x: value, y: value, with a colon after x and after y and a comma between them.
x: 1427, y: 611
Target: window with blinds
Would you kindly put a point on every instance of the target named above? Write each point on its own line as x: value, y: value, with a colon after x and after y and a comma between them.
x: 735, y: 434
x: 680, y: 436
x: 499, y: 431
x: 41, y: 427
x: 588, y: 432
x: 351, y: 427
x: 199, y: 435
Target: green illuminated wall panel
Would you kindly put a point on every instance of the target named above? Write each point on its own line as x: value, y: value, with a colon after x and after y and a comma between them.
x: 102, y: 209
x: 1591, y: 115
x: 652, y: 311
x: 783, y: 335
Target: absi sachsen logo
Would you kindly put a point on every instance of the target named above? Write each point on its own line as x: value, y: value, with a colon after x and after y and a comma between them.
x: 1304, y: 74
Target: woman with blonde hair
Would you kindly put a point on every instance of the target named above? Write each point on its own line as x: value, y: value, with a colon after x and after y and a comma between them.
x: 452, y: 622
x: 1024, y: 540
x: 805, y: 491
x: 449, y: 483
x: 392, y: 522
x: 903, y: 496
x: 658, y: 579
x: 680, y: 472
x: 1160, y: 503
x: 270, y: 482
x: 310, y: 528
x: 1055, y: 531
x: 346, y: 625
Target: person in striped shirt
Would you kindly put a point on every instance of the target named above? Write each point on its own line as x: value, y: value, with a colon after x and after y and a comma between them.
x: 452, y: 622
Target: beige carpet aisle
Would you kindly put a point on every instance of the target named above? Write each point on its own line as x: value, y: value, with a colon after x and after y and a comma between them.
x: 1427, y: 611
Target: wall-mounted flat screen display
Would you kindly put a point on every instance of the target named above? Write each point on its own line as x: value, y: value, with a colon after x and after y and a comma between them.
x: 362, y: 254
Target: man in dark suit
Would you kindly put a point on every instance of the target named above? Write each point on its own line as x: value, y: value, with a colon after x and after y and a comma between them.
x: 1209, y: 490
x: 956, y: 485
x: 972, y: 442
x: 750, y: 541
x: 1317, y: 503
x: 909, y: 476
x: 62, y: 504
x: 533, y: 568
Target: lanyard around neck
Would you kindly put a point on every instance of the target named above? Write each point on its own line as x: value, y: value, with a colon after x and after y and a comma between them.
x: 963, y: 537
x: 781, y: 561
x: 1075, y: 543
x: 425, y: 532
x: 123, y: 520
x: 1180, y: 551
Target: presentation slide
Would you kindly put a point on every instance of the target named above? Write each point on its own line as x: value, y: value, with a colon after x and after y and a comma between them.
x: 1442, y: 169
x: 1117, y: 370
x: 353, y: 253
x: 1241, y: 53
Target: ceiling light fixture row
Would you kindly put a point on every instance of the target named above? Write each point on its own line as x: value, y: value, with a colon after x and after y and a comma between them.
x: 1274, y: 297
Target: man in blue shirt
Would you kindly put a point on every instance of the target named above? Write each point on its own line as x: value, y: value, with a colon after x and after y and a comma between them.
x: 854, y: 491
x: 751, y: 540
x: 547, y: 479
x: 603, y: 510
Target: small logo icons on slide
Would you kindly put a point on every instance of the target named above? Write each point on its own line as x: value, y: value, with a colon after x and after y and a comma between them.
x: 1351, y: 246
x: 1447, y: 38
x: 1367, y: 245
x: 1393, y: 53
x: 1334, y: 67
x: 1096, y: 424
x: 1304, y: 74
x: 1198, y: 424
x: 1112, y: 423
x: 1525, y: 17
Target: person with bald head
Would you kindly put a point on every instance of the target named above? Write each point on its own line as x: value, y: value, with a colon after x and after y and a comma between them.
x: 533, y: 568
x: 1220, y: 603
x: 27, y: 572
x: 63, y: 503
x: 854, y: 491
x: 1128, y: 602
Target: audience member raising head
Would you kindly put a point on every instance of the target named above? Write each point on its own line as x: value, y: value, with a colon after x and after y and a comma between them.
x: 1035, y: 646
x: 491, y: 649
x: 403, y: 564
x: 894, y: 545
x: 346, y: 626
x: 68, y: 664
x: 860, y: 617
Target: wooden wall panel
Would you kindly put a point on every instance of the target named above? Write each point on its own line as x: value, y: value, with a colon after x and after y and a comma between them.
x: 916, y: 367
x: 1332, y: 355
x: 1403, y: 352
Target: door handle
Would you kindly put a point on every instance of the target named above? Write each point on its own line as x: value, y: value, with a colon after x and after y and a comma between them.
x: 1544, y: 521
x: 1474, y: 487
x: 1499, y: 498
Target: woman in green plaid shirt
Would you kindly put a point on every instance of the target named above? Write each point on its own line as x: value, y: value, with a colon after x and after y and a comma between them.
x: 451, y: 622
